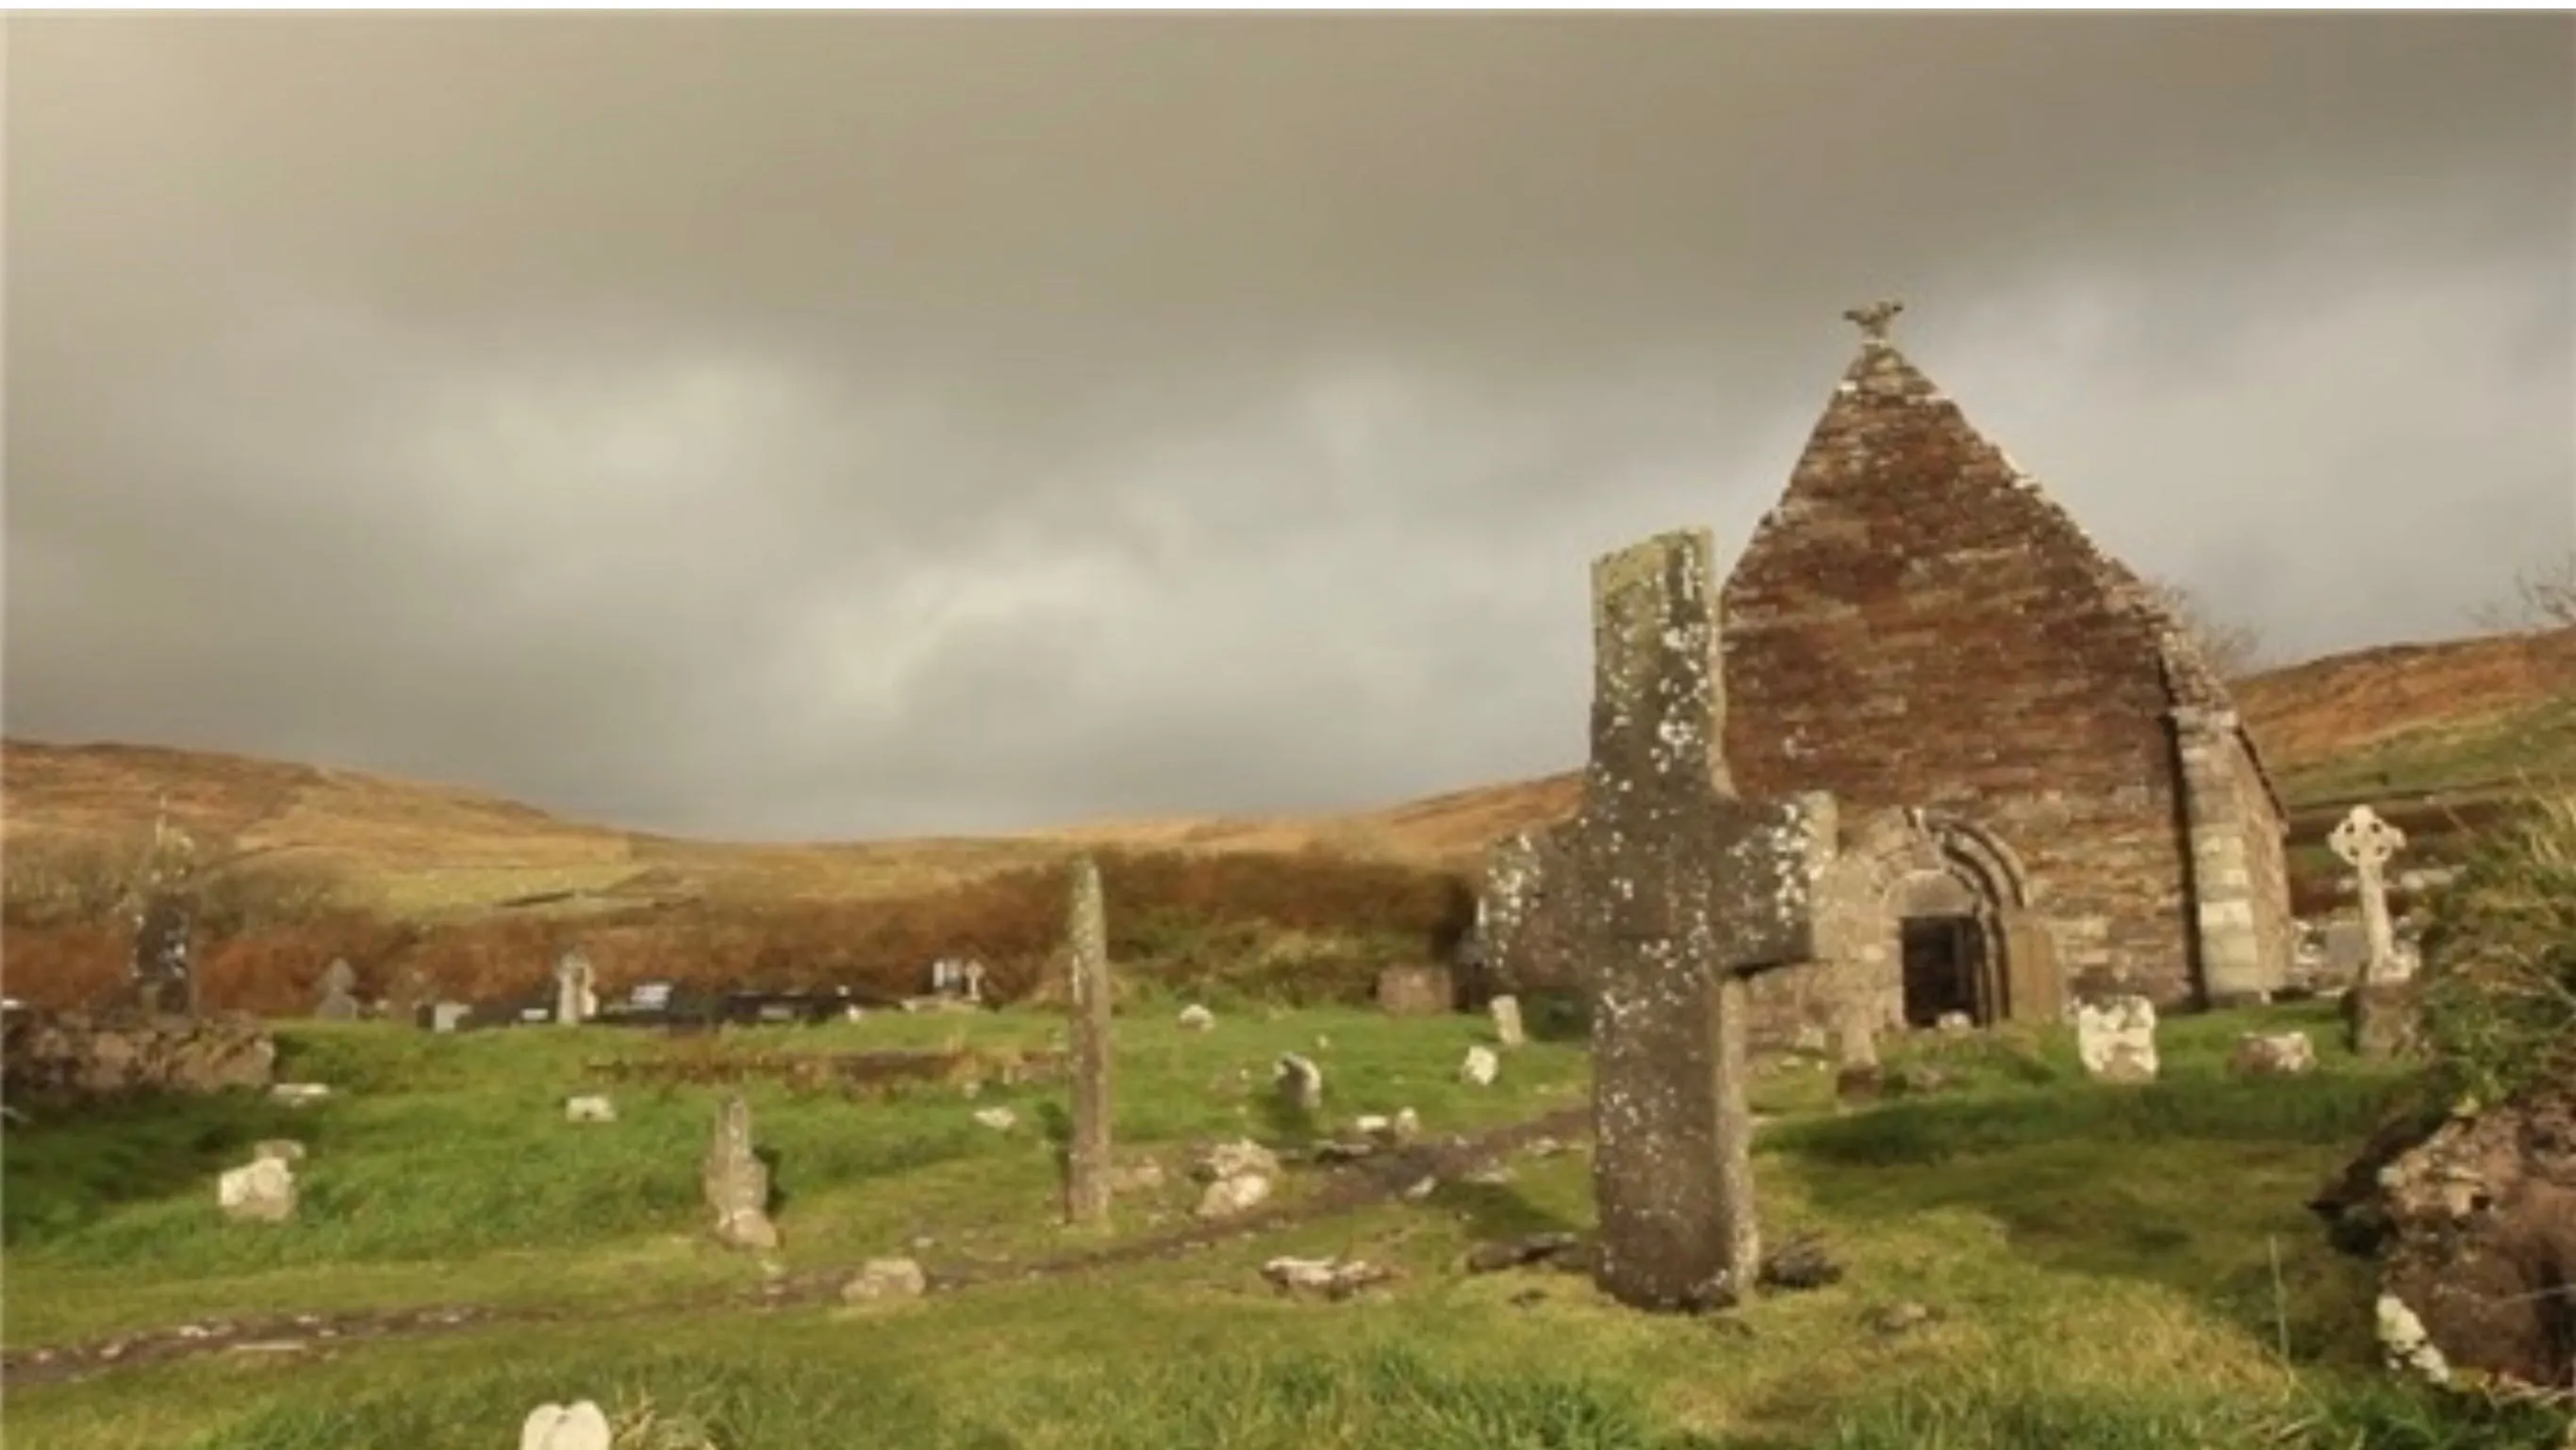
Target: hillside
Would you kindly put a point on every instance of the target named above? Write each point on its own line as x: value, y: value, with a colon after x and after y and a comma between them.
x: 2423, y: 731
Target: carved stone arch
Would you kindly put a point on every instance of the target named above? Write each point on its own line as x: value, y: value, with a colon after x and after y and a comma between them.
x: 1933, y: 867
x: 1989, y: 865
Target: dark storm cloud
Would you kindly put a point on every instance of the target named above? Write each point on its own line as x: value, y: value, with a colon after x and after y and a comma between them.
x: 837, y: 425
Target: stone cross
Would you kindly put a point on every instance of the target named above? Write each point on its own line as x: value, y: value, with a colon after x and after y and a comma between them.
x: 576, y: 990
x: 338, y: 981
x: 1087, y: 1154
x: 1874, y: 319
x: 1676, y: 891
x: 2365, y: 842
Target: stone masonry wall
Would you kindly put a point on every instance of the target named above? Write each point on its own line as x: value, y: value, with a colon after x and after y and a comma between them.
x: 76, y: 1056
x: 1917, y: 625
x: 2275, y: 932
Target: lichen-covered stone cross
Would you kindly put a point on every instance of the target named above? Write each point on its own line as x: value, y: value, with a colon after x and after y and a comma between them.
x: 2365, y: 842
x: 1675, y: 890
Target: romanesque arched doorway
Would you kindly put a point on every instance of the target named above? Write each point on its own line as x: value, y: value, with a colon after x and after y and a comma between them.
x: 1935, y: 919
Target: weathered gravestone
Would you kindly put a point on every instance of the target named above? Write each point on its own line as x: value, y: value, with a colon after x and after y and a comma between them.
x: 1673, y: 890
x: 1299, y: 1083
x: 737, y: 1182
x: 1087, y: 1154
x: 576, y: 990
x: 2116, y: 1041
x: 1506, y: 1010
x: 339, y: 980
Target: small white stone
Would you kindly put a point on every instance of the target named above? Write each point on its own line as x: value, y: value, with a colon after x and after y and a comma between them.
x: 577, y: 1426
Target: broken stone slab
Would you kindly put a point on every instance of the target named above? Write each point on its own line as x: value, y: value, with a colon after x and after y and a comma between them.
x: 1195, y: 1018
x: 580, y: 1425
x: 1902, y: 1317
x: 2117, y: 1039
x: 1238, y: 1175
x: 1480, y: 1068
x: 589, y: 1108
x: 1230, y: 1196
x: 2405, y: 1345
x: 879, y: 1280
x: 263, y: 1191
x: 2273, y: 1054
x: 1000, y: 1120
x: 1528, y: 1249
x: 298, y: 1094
x: 2384, y: 1020
x: 1334, y: 1279
x: 1800, y: 1263
x: 1235, y: 1159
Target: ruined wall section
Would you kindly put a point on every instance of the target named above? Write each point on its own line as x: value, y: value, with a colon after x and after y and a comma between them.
x: 1916, y: 624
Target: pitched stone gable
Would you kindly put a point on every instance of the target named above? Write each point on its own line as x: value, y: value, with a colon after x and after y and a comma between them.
x: 1894, y: 479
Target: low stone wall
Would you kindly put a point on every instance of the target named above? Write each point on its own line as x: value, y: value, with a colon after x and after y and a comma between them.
x: 77, y: 1055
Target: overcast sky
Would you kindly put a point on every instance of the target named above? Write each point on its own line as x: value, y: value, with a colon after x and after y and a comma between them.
x: 793, y: 425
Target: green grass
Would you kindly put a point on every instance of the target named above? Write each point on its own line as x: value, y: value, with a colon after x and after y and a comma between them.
x: 2111, y: 1268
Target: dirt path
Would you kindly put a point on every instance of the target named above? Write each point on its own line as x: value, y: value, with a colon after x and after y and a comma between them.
x: 1344, y: 1189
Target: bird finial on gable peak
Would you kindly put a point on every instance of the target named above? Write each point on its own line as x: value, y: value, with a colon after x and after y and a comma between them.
x: 1874, y: 320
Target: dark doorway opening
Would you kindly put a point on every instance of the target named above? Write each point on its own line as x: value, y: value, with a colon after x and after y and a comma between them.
x: 1945, y: 970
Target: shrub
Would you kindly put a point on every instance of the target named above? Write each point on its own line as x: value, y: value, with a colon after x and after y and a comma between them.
x: 2500, y: 958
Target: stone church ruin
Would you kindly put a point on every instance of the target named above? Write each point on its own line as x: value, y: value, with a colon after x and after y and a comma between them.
x: 2039, y: 788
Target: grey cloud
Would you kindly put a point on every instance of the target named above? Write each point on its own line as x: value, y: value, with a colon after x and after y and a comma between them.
x: 815, y: 425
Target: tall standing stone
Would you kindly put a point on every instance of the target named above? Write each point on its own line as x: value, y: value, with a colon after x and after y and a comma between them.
x: 1087, y: 1155
x: 737, y: 1182
x: 2365, y: 842
x: 162, y: 976
x: 1675, y: 890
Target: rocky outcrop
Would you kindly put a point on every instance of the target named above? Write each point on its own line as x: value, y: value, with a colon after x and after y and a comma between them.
x: 74, y: 1056
x: 2475, y: 1225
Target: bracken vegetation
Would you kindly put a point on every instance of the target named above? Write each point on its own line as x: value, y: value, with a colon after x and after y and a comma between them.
x: 2500, y: 958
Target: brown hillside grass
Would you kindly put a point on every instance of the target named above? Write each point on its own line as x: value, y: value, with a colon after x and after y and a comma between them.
x: 481, y: 893
x: 1171, y: 913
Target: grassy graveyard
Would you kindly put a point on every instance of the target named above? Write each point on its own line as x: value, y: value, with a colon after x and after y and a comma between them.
x: 2084, y: 1264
